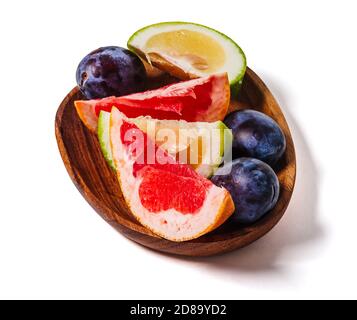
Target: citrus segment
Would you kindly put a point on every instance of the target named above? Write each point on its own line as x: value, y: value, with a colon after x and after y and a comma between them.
x: 179, y: 138
x: 170, y: 199
x: 189, y: 50
x: 204, y: 99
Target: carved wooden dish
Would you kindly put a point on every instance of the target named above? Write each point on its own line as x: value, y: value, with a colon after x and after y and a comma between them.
x: 97, y: 183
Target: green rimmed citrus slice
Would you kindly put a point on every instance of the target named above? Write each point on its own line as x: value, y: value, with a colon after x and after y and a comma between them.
x: 200, y: 144
x: 189, y: 50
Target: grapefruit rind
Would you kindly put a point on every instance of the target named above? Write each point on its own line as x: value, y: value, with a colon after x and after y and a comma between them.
x: 169, y: 224
x: 103, y: 137
x: 86, y: 112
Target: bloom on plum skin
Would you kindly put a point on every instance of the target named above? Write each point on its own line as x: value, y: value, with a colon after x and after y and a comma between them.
x: 110, y: 71
x: 256, y: 135
x: 253, y: 185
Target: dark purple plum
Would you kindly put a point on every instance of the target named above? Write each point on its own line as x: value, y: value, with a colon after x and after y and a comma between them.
x: 253, y: 185
x: 256, y: 135
x: 110, y: 71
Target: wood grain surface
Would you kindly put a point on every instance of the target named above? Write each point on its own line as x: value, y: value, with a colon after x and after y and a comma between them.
x: 97, y: 183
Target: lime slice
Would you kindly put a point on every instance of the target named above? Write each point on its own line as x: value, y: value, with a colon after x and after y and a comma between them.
x: 189, y: 50
x: 201, y: 144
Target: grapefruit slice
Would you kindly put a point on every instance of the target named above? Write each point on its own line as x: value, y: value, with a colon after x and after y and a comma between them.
x: 204, y: 99
x: 169, y: 198
x: 200, y: 144
x: 189, y: 50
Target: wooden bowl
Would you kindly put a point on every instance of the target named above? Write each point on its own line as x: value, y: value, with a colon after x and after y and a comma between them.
x: 97, y: 183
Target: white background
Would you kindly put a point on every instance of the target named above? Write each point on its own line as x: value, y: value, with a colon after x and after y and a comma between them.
x: 53, y: 245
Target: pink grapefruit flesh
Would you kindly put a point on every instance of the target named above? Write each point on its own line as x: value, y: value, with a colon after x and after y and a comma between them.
x: 204, y: 99
x: 170, y: 198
